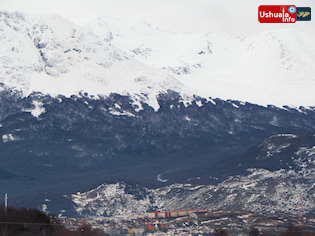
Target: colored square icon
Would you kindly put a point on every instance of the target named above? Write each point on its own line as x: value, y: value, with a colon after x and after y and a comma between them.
x: 303, y: 13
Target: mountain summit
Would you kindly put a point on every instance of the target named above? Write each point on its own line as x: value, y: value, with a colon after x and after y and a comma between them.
x: 51, y: 55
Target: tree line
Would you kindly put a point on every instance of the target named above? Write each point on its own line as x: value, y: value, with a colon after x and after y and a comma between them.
x: 32, y: 222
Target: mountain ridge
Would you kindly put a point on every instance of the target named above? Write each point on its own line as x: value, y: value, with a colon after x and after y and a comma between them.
x: 272, y: 67
x: 267, y: 63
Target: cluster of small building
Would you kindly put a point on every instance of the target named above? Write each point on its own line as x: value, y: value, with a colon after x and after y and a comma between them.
x: 73, y: 223
x: 132, y: 225
x: 197, y: 221
x: 168, y: 214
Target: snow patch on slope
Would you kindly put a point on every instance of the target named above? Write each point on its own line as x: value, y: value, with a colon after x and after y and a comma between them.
x: 37, y: 110
x: 8, y: 138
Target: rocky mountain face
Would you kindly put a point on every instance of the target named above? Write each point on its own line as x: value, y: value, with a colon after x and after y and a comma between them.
x: 77, y: 113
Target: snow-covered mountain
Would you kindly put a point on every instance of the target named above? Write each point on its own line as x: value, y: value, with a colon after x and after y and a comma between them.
x: 52, y: 55
x: 112, y: 102
x: 272, y: 67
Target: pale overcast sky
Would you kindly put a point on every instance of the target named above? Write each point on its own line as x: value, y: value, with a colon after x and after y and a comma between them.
x: 218, y: 16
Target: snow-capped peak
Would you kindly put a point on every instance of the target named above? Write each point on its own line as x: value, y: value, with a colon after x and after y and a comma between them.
x: 272, y: 67
x: 52, y: 55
